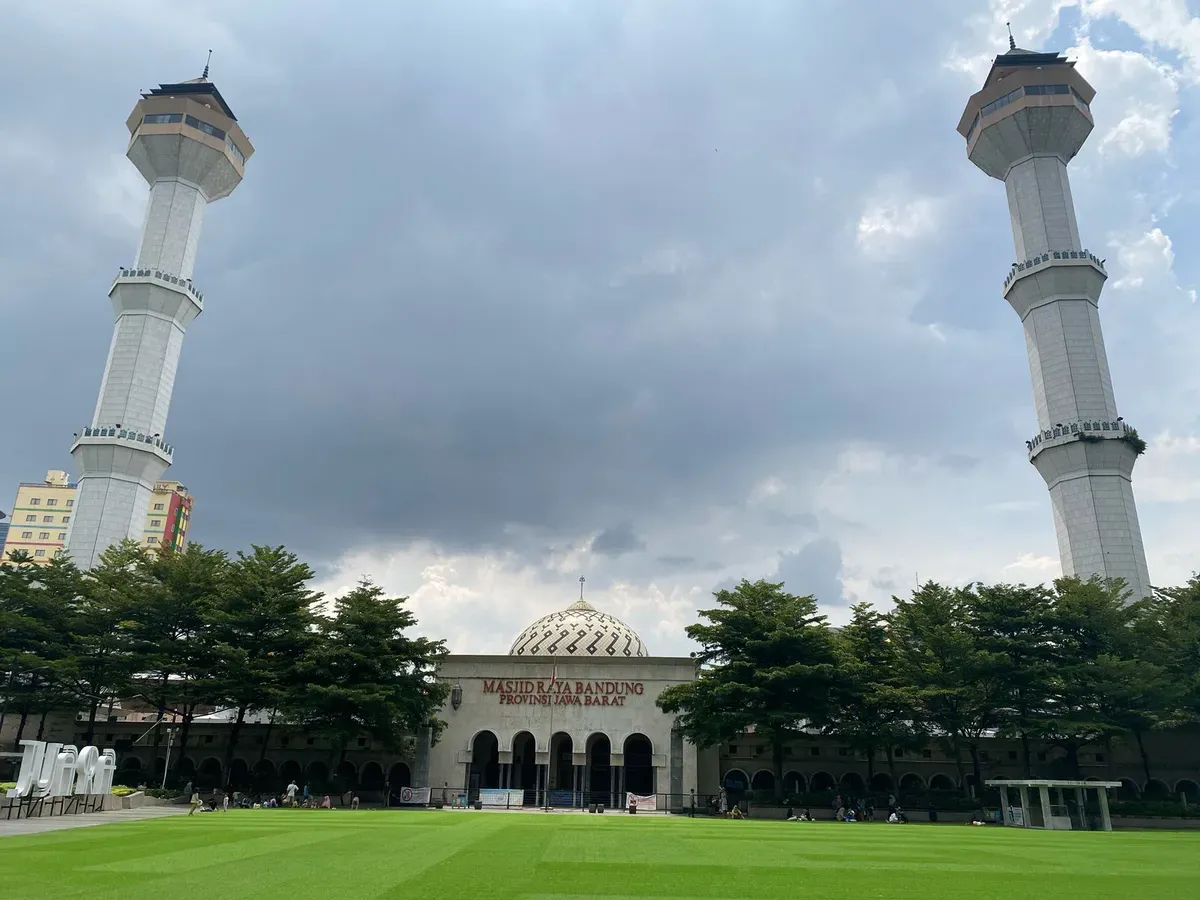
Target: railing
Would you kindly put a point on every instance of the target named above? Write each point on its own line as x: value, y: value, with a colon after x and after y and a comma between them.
x: 1046, y: 258
x: 185, y: 283
x: 125, y: 434
x: 1097, y: 428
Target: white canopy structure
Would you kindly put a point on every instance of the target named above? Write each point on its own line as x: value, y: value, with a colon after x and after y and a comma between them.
x: 1053, y: 812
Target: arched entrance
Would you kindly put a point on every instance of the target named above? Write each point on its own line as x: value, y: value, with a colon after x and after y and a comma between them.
x: 639, y: 765
x: 822, y: 781
x: 371, y: 777
x: 882, y: 783
x: 264, y: 776
x: 1189, y: 789
x: 794, y: 784
x: 291, y: 772
x: 346, y: 777
x: 524, y: 765
x: 598, y: 783
x: 485, y: 764
x: 936, y: 783
x: 763, y: 780
x: 316, y: 776
x: 239, y: 775
x: 1156, y: 790
x: 399, y: 776
x: 853, y: 784
x: 562, y: 778
x: 210, y: 773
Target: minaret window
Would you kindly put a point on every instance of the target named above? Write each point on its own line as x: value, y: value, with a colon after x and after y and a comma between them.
x: 162, y: 119
x: 1047, y: 89
x: 193, y: 122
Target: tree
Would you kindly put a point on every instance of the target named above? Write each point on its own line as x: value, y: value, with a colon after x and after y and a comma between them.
x: 954, y: 678
x: 363, y: 673
x: 767, y: 662
x: 875, y: 709
x: 1172, y: 639
x: 1015, y: 625
x: 100, y: 664
x: 262, y: 632
x: 1100, y: 687
x: 172, y: 631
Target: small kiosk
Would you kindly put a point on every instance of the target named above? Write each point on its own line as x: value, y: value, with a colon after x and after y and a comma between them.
x: 1054, y: 810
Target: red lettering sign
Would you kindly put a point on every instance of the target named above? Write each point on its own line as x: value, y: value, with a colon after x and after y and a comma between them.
x: 563, y: 693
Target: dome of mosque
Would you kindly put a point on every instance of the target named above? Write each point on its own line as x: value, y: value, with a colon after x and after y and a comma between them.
x: 580, y: 630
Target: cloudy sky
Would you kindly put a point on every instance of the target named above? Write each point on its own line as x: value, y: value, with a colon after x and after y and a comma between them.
x: 659, y: 292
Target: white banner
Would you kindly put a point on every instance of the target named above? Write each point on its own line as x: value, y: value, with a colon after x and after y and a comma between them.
x: 413, y: 796
x: 643, y: 802
x: 504, y: 798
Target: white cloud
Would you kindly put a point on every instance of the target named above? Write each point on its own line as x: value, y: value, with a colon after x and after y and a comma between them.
x: 886, y: 227
x: 1145, y: 258
x: 1043, y: 567
x: 1165, y: 23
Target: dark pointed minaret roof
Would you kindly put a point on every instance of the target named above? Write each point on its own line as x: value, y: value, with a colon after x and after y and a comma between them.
x: 195, y: 87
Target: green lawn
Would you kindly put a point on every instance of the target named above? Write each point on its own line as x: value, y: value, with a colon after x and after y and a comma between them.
x: 329, y: 855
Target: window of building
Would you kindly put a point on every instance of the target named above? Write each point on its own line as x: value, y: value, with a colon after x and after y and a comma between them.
x: 1001, y: 102
x: 158, y: 506
x: 1012, y: 754
x: 362, y: 742
x: 70, y: 503
x: 66, y: 519
x: 1041, y: 757
x: 842, y: 751
x: 39, y: 552
x: 43, y: 536
x: 31, y: 518
x: 1099, y: 757
x: 35, y: 501
x: 927, y: 754
x: 162, y: 119
x: 1035, y: 89
x: 899, y: 752
x: 27, y: 535
x: 208, y: 738
x: 311, y: 741
x: 156, y: 523
x: 151, y: 540
x: 193, y: 122
x: 814, y: 751
x: 983, y: 754
x: 733, y: 749
x: 62, y: 536
x: 47, y: 518
x: 52, y: 501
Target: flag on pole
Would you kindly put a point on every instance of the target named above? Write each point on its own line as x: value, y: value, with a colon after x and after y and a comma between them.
x: 554, y: 674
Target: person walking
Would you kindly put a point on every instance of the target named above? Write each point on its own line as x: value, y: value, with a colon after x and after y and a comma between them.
x: 291, y: 793
x: 225, y: 802
x: 194, y: 803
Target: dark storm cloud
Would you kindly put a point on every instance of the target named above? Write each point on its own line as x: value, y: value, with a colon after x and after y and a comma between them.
x: 617, y: 541
x: 443, y: 300
x: 816, y: 569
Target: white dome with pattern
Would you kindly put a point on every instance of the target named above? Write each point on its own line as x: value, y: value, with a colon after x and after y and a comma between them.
x: 579, y: 630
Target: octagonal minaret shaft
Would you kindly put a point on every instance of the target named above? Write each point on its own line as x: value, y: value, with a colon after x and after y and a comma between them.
x: 1023, y: 127
x: 188, y: 146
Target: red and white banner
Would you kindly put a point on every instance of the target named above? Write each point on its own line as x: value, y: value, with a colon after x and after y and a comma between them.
x: 643, y: 802
x: 413, y: 796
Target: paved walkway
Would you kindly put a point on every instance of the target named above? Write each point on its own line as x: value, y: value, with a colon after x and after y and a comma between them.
x: 83, y: 820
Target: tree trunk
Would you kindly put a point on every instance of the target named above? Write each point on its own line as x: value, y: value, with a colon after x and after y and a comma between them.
x: 777, y: 759
x: 1027, y: 754
x: 90, y: 737
x: 958, y: 764
x: 1073, y: 759
x: 21, y: 727
x: 870, y: 766
x: 42, y: 724
x: 230, y: 745
x: 891, y: 764
x: 1137, y: 733
x: 262, y: 754
x: 976, y: 768
x: 185, y: 725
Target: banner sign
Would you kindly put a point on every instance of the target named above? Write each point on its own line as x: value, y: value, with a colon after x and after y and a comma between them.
x: 502, y: 797
x: 62, y: 770
x: 413, y: 796
x: 643, y: 802
x: 563, y: 693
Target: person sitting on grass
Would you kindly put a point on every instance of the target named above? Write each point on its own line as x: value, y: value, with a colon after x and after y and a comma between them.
x: 850, y: 816
x: 354, y: 802
x: 736, y: 813
x: 325, y: 804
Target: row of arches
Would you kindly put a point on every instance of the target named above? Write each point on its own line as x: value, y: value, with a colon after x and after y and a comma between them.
x: 912, y: 783
x: 598, y: 776
x: 267, y: 777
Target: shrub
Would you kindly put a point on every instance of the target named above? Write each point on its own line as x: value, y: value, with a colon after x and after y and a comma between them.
x: 1154, y: 809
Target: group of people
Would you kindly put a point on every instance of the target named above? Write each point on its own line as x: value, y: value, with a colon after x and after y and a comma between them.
x: 291, y: 798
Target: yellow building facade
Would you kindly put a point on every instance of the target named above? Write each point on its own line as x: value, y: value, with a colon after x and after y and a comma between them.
x: 40, y: 517
x: 168, y: 517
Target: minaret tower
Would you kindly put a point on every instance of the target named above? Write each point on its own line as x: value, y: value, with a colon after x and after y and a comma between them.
x: 188, y: 146
x: 1023, y: 127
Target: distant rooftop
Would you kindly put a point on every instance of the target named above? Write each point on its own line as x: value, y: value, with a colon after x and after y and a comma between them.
x: 194, y: 87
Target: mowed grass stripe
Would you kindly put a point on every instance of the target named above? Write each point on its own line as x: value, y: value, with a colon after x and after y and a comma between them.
x: 247, y: 855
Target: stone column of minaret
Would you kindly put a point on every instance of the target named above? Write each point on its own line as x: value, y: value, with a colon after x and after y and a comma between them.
x: 1023, y: 127
x: 189, y: 147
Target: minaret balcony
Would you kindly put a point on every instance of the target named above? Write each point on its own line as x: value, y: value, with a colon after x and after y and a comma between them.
x: 1060, y: 257
x: 154, y: 276
x: 1091, y: 430
x: 109, y: 434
